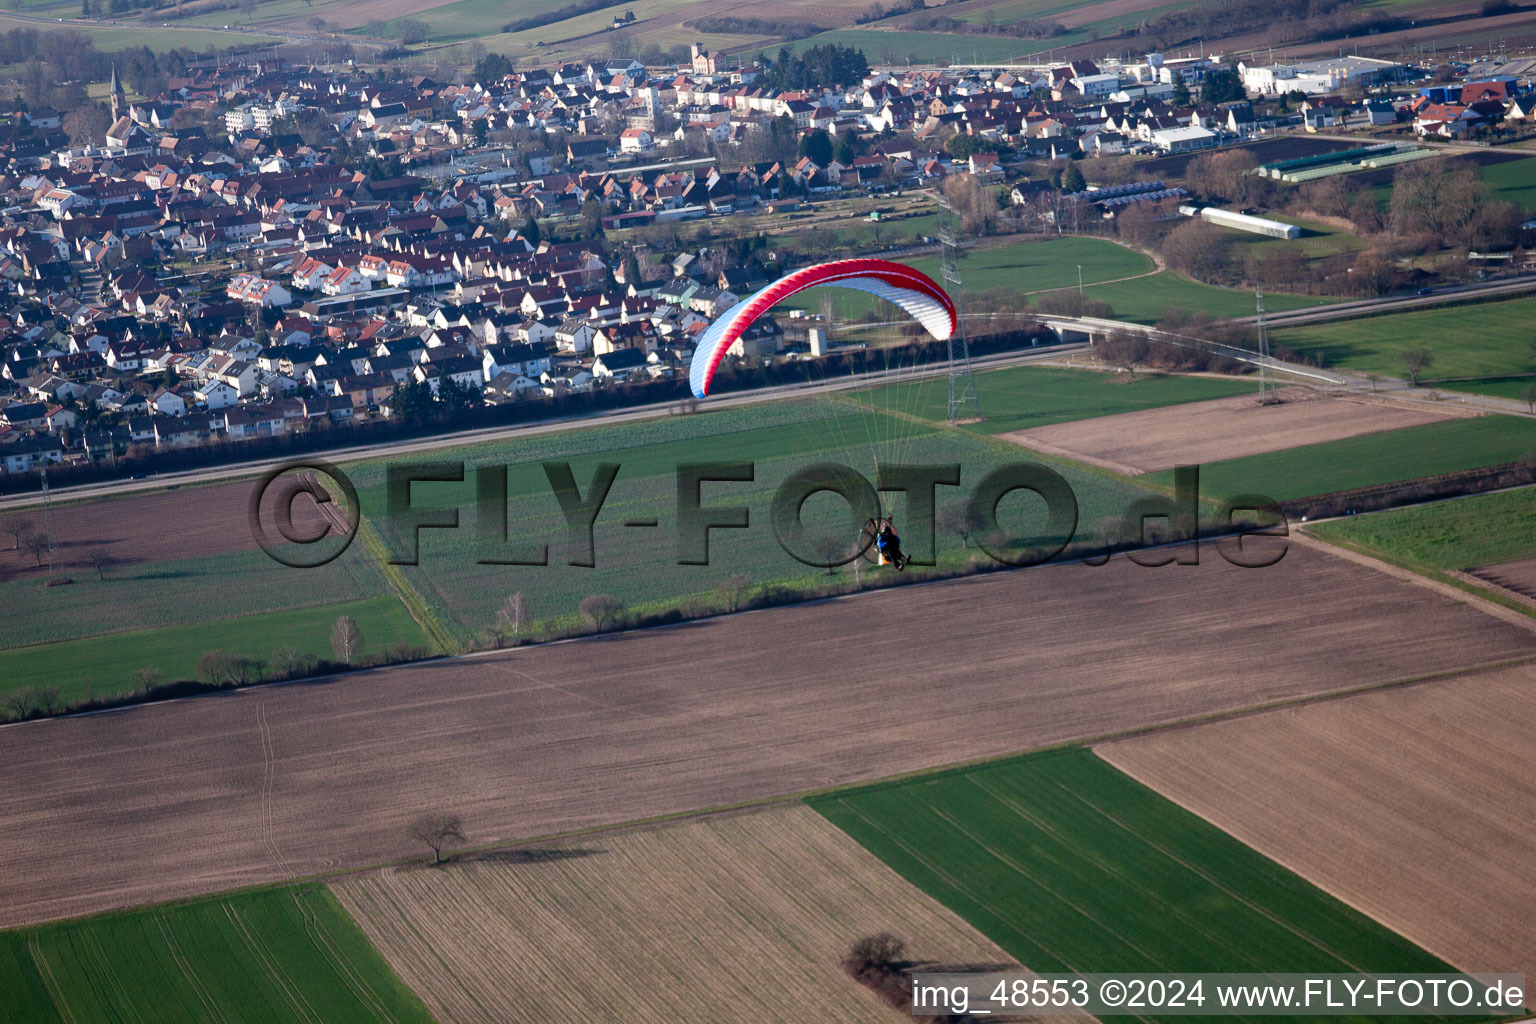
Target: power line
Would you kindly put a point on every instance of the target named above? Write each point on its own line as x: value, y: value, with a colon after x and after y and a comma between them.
x: 962, y: 385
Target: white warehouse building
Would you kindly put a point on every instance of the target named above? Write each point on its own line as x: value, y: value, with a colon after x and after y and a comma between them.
x: 1243, y: 222
x: 1317, y: 76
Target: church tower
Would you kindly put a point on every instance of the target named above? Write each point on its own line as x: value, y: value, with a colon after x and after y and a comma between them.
x: 119, y: 101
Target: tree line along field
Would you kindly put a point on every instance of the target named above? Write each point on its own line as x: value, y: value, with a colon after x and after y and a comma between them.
x: 266, y: 957
x: 1490, y: 339
x: 739, y: 917
x: 1369, y: 459
x: 1071, y: 866
x: 102, y: 666
x: 1484, y: 529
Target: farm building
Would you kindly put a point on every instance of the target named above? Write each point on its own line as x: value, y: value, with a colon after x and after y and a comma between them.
x: 1244, y: 222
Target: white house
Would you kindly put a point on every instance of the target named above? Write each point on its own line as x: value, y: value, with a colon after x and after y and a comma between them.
x: 636, y: 140
x: 258, y: 290
x: 215, y: 394
x: 345, y: 281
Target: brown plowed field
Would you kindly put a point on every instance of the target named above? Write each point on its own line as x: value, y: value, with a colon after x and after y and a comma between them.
x: 1517, y: 577
x: 155, y: 526
x: 1222, y: 428
x: 736, y: 917
x: 1417, y: 806
x: 207, y: 793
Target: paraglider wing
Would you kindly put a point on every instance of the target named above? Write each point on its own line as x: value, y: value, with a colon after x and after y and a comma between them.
x: 912, y: 290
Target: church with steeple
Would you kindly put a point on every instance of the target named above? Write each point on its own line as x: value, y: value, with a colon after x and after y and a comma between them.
x: 123, y: 134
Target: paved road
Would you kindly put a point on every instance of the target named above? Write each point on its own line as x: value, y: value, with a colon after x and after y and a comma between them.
x: 1399, y: 303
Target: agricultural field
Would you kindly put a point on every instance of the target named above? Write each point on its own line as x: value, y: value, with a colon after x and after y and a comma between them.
x: 1070, y: 865
x: 126, y: 36
x: 1193, y: 433
x: 641, y: 569
x: 1023, y: 268
x: 750, y: 912
x: 1145, y: 299
x: 883, y: 46
x: 1490, y: 339
x: 1480, y: 530
x: 544, y: 740
x: 151, y: 581
x: 1414, y: 806
x: 101, y: 666
x: 1030, y: 396
x: 266, y: 957
x: 1517, y: 577
x: 1406, y: 454
x: 1513, y: 181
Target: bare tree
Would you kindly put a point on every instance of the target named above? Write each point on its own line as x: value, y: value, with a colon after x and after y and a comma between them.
x: 1528, y: 395
x: 36, y: 545
x: 875, y: 954
x: 601, y: 610
x: 98, y: 559
x: 830, y: 550
x: 1123, y: 350
x: 287, y: 662
x: 961, y: 518
x: 437, y: 829
x: 1416, y: 359
x: 513, y: 615
x: 733, y: 590
x: 346, y: 638
x: 147, y: 678
x: 18, y: 527
x: 1198, y: 248
x: 19, y: 703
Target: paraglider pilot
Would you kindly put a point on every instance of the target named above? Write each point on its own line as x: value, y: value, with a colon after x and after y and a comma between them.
x: 888, y: 543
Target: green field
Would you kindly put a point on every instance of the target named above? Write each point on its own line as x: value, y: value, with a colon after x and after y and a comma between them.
x: 266, y: 957
x: 1514, y: 181
x: 1488, y: 339
x: 178, y: 592
x: 640, y: 567
x: 110, y: 38
x: 105, y: 662
x: 1481, y: 530
x: 1072, y: 866
x: 893, y: 47
x: 1317, y: 239
x: 1144, y: 299
x: 1387, y: 457
x: 1024, y: 397
x: 1023, y: 268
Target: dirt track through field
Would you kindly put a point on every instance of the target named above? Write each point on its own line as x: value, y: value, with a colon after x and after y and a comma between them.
x: 735, y: 917
x: 250, y: 786
x: 1221, y: 428
x: 1417, y: 806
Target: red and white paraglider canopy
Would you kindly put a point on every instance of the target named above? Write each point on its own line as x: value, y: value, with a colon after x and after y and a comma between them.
x: 912, y: 290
